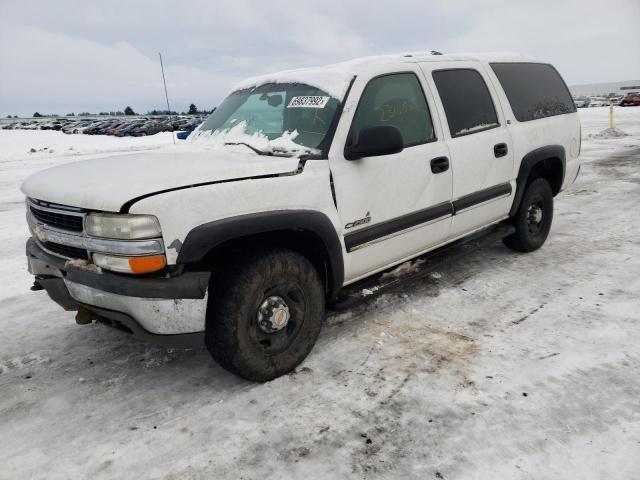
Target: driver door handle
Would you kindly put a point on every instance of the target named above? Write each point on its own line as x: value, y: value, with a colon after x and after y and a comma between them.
x: 500, y: 150
x: 439, y: 164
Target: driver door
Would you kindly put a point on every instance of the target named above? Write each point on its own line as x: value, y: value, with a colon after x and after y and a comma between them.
x: 394, y: 206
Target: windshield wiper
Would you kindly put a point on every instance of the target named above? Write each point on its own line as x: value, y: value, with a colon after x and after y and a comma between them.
x: 259, y: 152
x: 275, y: 153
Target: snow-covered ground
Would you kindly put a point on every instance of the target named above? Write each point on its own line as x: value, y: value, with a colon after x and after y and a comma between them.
x: 500, y: 366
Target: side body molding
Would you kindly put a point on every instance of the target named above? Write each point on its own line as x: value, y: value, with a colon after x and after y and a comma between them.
x: 529, y: 161
x: 202, y: 239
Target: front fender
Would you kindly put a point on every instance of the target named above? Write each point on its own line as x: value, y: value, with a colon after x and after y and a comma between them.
x: 203, y: 239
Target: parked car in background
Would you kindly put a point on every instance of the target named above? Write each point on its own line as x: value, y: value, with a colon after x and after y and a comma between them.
x: 598, y: 102
x: 127, y: 128
x: 86, y: 126
x: 51, y: 126
x: 182, y: 135
x: 76, y: 127
x: 149, y: 128
x: 115, y: 128
x: 631, y: 100
x: 615, y: 99
x: 581, y: 102
x: 94, y: 128
x: 107, y: 127
x: 70, y: 127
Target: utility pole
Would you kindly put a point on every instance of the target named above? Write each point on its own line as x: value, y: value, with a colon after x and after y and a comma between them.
x: 166, y: 95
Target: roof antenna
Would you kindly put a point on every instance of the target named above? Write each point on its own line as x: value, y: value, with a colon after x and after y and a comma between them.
x: 166, y: 95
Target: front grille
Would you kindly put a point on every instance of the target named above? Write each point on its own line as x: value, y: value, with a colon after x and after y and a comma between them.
x: 65, y: 250
x: 58, y: 219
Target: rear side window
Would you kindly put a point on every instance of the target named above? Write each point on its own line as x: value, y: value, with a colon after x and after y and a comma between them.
x: 466, y: 100
x: 397, y: 100
x: 534, y: 90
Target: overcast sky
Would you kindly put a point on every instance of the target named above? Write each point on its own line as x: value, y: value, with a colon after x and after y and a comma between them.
x: 69, y: 56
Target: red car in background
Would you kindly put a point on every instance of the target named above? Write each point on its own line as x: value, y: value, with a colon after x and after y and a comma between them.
x: 631, y: 100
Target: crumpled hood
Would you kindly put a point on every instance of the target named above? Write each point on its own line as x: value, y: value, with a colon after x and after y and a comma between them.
x: 110, y: 182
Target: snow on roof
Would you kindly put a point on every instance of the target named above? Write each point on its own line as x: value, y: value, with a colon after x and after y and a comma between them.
x: 331, y: 78
x: 335, y: 78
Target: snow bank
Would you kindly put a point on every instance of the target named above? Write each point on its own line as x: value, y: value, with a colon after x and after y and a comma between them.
x: 41, y: 144
x: 608, y: 133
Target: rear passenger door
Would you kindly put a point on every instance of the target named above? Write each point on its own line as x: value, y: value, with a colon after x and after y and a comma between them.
x: 479, y: 143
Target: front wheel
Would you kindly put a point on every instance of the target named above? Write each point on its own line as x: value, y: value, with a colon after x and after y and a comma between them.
x: 265, y: 313
x: 533, y: 218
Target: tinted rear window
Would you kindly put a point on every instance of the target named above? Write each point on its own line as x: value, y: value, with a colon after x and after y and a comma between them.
x: 466, y: 101
x: 534, y: 90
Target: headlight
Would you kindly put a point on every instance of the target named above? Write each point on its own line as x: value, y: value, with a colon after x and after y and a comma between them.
x: 121, y: 226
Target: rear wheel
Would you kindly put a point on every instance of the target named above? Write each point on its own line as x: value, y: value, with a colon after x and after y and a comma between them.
x: 265, y: 313
x: 533, y: 218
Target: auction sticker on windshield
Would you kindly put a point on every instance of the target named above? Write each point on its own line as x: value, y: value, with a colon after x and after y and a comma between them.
x: 308, y: 101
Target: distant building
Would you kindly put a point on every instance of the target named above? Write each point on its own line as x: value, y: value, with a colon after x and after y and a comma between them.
x: 604, y: 89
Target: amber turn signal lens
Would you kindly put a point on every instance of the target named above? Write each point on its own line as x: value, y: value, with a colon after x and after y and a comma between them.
x: 147, y: 264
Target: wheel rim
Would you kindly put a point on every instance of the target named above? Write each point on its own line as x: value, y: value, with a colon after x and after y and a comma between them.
x: 273, y: 314
x: 278, y: 318
x: 535, y: 216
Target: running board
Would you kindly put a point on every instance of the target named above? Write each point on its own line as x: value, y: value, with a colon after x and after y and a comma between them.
x: 417, y: 268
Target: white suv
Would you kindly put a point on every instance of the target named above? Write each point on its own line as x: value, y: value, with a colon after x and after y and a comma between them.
x: 297, y: 193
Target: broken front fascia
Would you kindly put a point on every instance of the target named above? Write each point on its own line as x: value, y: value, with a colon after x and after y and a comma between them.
x: 158, y: 306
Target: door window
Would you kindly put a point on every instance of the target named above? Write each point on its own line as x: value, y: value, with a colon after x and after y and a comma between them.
x: 466, y: 100
x: 398, y: 100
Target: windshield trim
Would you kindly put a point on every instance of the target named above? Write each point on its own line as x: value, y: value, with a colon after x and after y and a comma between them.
x: 325, y: 146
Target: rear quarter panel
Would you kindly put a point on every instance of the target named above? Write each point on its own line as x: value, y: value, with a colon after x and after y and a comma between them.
x: 561, y: 130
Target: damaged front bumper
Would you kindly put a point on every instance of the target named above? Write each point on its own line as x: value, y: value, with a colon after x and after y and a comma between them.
x: 164, y: 310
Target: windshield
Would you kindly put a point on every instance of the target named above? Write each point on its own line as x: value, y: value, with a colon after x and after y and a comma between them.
x: 284, y: 116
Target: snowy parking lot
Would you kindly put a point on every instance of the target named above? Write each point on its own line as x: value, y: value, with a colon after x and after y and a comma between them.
x: 499, y: 365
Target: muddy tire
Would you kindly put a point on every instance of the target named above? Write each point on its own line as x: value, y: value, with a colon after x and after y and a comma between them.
x: 533, y: 218
x: 265, y: 313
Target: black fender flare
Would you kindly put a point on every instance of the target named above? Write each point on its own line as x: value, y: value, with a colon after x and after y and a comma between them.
x: 204, y: 238
x: 529, y: 161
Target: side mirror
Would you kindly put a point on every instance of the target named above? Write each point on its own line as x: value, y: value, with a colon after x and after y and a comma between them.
x: 375, y: 141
